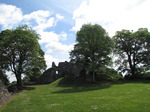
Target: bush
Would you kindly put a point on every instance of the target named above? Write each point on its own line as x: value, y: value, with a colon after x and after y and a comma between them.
x: 139, y: 76
x: 146, y: 75
x: 4, y: 78
x: 108, y: 74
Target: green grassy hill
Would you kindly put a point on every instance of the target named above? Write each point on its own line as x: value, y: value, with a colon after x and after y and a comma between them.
x: 106, y: 97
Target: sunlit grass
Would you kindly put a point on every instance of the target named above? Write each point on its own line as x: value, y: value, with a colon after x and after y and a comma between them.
x: 106, y: 97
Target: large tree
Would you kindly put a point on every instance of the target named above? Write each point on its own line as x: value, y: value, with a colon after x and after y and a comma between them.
x: 133, y: 49
x: 20, y: 52
x: 93, y: 47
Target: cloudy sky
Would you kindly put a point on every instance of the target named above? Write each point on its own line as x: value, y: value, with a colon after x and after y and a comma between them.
x: 57, y: 21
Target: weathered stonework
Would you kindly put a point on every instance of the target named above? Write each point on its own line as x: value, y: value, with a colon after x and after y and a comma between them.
x: 69, y: 69
x: 4, y: 94
x: 63, y: 69
x: 47, y: 77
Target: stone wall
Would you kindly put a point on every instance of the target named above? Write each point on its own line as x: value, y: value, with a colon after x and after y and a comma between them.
x: 63, y: 69
x: 4, y: 94
x: 47, y: 77
x: 69, y: 69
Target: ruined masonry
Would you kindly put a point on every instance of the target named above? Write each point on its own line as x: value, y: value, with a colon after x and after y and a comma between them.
x: 4, y: 94
x: 63, y: 69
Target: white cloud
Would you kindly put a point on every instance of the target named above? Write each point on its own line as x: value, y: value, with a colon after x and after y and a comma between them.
x: 48, y: 37
x: 59, y: 17
x: 49, y: 59
x: 42, y: 19
x: 63, y: 36
x: 57, y: 47
x: 9, y: 16
x: 113, y: 15
x: 39, y: 15
x: 52, y: 37
x: 45, y: 24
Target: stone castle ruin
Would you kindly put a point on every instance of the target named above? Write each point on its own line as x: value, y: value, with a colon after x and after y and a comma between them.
x: 63, y: 69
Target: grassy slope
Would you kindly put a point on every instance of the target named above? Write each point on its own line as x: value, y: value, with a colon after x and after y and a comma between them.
x: 124, y: 97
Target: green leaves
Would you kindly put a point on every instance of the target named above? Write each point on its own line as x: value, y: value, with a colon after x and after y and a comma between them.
x: 133, y: 49
x: 20, y: 51
x: 93, y: 47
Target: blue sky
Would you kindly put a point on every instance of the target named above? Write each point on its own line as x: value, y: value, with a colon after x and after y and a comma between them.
x: 57, y: 21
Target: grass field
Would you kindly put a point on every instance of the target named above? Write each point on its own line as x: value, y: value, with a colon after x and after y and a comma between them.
x: 106, y: 97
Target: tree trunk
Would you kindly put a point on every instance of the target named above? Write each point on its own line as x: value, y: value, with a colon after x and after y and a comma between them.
x: 93, y: 73
x: 19, y: 72
x: 19, y: 82
x: 131, y: 65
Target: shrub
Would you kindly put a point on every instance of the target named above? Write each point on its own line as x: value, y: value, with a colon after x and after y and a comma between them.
x: 146, y: 75
x: 4, y: 78
x: 108, y: 74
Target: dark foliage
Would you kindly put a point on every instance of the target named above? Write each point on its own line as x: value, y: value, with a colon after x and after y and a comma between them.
x: 4, y: 78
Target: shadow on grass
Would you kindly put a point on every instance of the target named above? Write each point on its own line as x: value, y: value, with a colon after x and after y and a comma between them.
x: 132, y: 81
x: 29, y: 88
x: 74, y: 88
x: 82, y: 89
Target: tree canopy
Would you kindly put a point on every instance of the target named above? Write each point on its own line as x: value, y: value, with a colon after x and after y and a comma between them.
x: 133, y: 49
x: 20, y: 52
x: 93, y: 47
